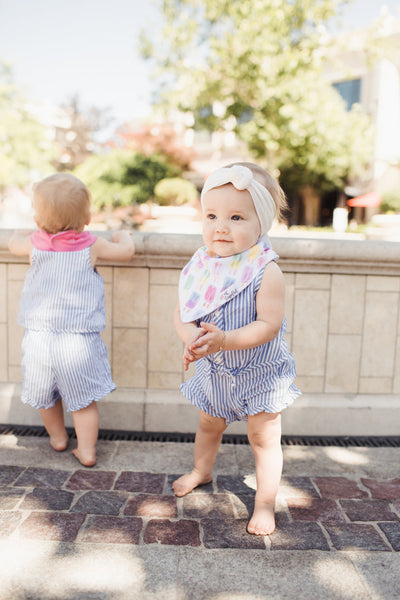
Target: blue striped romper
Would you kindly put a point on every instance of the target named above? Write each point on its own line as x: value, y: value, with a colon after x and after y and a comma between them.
x: 62, y: 309
x: 238, y: 383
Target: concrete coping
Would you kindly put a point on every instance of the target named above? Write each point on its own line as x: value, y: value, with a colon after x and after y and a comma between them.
x: 297, y: 254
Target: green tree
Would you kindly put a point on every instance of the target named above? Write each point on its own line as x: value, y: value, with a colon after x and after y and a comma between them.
x: 123, y: 178
x: 262, y: 62
x: 329, y: 148
x: 175, y: 191
x: 26, y: 147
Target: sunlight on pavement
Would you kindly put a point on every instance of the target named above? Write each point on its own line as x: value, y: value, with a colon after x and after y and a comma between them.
x: 250, y: 481
x: 12, y: 441
x: 21, y: 568
x: 334, y: 572
x: 346, y: 456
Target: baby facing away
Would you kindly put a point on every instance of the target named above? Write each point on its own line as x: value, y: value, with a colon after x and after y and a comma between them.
x: 64, y: 360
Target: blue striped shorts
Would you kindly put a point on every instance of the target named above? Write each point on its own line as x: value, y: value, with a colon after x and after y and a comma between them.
x: 71, y: 366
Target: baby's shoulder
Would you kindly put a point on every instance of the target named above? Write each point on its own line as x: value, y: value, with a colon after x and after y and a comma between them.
x: 272, y: 269
x: 272, y: 276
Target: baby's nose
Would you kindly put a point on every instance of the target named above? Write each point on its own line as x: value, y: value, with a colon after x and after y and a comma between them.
x: 222, y: 226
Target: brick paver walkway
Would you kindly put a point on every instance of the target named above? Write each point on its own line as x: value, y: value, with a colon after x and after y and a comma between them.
x: 99, y: 506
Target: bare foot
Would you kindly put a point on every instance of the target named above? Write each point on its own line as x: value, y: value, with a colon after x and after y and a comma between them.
x: 86, y: 459
x: 59, y: 444
x: 263, y: 520
x: 188, y: 482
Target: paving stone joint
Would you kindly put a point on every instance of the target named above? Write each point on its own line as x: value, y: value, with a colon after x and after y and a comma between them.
x: 134, y: 507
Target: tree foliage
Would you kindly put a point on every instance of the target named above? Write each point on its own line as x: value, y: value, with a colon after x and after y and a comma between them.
x: 175, y: 191
x: 26, y: 147
x: 390, y: 201
x: 154, y: 138
x: 262, y: 62
x: 123, y: 178
x: 75, y: 132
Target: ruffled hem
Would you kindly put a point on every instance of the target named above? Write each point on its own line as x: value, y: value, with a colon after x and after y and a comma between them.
x: 83, y: 404
x: 252, y: 406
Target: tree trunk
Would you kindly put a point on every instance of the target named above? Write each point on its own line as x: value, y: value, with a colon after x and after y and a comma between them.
x: 311, y: 202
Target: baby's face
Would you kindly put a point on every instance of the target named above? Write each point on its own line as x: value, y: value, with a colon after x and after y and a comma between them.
x: 230, y: 222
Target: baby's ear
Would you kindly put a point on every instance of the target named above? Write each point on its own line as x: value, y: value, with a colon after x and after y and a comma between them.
x: 89, y: 218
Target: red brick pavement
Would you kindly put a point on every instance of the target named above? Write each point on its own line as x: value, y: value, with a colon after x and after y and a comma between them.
x: 97, y: 506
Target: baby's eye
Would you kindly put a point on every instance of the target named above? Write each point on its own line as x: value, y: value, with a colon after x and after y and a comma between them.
x: 211, y: 216
x: 236, y: 218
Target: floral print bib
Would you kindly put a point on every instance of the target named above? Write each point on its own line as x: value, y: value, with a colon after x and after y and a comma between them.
x: 207, y: 282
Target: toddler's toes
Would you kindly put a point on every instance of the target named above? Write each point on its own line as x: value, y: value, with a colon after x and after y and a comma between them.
x: 262, y: 521
x: 185, y: 484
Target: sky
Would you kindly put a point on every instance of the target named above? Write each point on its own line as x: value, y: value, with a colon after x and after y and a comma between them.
x: 58, y: 49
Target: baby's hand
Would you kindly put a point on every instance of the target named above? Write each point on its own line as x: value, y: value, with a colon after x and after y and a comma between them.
x: 121, y: 236
x: 20, y: 242
x: 211, y: 341
x: 188, y: 356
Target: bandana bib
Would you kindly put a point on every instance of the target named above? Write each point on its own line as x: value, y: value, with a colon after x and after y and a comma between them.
x: 206, y: 283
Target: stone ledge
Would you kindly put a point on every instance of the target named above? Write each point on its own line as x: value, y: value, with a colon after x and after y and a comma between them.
x: 313, y: 255
x: 169, y: 411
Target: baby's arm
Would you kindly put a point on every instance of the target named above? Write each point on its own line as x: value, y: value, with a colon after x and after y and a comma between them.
x: 121, y: 247
x: 188, y: 332
x: 20, y: 243
x: 270, y: 308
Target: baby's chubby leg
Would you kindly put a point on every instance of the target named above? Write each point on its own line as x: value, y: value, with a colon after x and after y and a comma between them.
x: 264, y: 433
x: 86, y: 423
x: 53, y: 420
x: 207, y: 441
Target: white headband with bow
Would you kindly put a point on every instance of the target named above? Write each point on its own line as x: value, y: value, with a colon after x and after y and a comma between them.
x: 243, y: 179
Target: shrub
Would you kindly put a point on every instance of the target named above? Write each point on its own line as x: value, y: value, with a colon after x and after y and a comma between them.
x: 175, y: 191
x: 122, y: 178
x: 390, y: 201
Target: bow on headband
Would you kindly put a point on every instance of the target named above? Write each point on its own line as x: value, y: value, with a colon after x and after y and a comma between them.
x: 243, y: 179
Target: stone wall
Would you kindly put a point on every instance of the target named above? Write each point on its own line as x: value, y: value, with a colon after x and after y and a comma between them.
x: 342, y: 308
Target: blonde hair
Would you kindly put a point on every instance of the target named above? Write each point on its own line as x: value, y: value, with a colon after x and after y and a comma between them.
x: 270, y: 183
x: 62, y: 203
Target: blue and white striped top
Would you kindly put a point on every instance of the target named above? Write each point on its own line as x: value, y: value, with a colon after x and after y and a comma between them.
x: 62, y: 292
x: 234, y: 384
